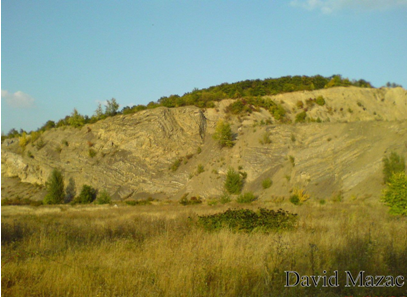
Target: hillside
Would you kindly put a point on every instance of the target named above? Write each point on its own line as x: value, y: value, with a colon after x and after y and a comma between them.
x: 337, y: 149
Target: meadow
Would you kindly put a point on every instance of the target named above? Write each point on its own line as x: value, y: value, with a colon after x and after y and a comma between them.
x: 160, y: 250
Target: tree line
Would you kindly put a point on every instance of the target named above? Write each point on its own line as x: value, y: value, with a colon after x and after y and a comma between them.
x: 205, y: 98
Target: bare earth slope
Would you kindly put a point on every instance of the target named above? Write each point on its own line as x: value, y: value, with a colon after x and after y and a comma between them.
x: 134, y: 153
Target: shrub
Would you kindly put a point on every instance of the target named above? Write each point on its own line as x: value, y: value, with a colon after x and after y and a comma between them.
x: 200, y: 169
x: 103, y: 198
x: 23, y: 140
x: 198, y: 150
x: 267, y: 183
x: 193, y: 200
x: 395, y: 195
x: 92, y: 153
x: 223, y: 134
x: 55, y: 188
x: 225, y: 198
x: 278, y: 112
x: 292, y: 160
x: 320, y: 100
x: 234, y: 182
x: 76, y: 119
x: 265, y: 139
x: 248, y: 197
x: 30, y: 155
x: 294, y: 199
x: 176, y: 164
x: 34, y: 136
x: 65, y: 142
x: 87, y: 195
x: 138, y: 202
x: 300, y: 118
x: 246, y: 220
x: 40, y: 143
x: 391, y: 165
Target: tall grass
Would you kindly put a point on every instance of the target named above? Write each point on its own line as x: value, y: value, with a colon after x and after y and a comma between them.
x: 158, y: 250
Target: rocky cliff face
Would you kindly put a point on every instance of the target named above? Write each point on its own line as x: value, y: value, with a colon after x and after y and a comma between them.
x: 133, y: 154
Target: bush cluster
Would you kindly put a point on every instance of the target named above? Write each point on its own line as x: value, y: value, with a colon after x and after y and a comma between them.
x: 246, y: 220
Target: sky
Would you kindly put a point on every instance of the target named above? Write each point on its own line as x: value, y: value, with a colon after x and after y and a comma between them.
x: 61, y: 55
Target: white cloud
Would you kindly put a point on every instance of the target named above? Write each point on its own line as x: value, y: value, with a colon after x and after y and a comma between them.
x: 328, y: 6
x: 103, y: 103
x: 18, y: 99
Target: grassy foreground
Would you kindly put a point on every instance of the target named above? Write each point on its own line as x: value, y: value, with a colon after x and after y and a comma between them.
x: 158, y: 250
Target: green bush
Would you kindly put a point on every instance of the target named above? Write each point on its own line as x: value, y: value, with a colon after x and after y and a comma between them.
x: 55, y: 188
x: 391, y: 165
x: 294, y: 199
x: 92, y: 153
x: 300, y: 118
x: 76, y: 119
x: 200, y: 169
x: 248, y: 197
x: 87, y: 195
x: 395, y: 195
x: 176, y: 164
x: 223, y: 134
x: 246, y: 220
x: 320, y: 100
x: 234, y: 182
x: 103, y: 198
x: 267, y: 183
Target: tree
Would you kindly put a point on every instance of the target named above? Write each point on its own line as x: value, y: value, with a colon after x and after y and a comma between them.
x: 395, y: 195
x: 234, y: 182
x: 55, y: 188
x: 223, y: 134
x: 112, y: 107
x: 87, y: 195
x: 391, y: 165
x: 76, y: 120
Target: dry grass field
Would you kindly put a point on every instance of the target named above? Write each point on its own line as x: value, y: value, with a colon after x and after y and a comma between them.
x: 158, y: 250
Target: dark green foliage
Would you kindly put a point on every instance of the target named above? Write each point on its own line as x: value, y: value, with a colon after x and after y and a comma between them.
x: 267, y: 183
x: 246, y: 220
x: 239, y: 106
x: 223, y: 134
x: 294, y: 199
x: 391, y: 165
x: 40, y: 143
x: 320, y: 100
x: 395, y: 195
x: 87, y: 195
x: 234, y: 182
x: 103, y: 198
x: 248, y: 197
x: 55, y: 188
x: 278, y: 112
x: 300, y: 117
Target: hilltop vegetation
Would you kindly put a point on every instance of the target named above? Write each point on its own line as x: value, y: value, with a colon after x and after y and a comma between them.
x: 248, y: 89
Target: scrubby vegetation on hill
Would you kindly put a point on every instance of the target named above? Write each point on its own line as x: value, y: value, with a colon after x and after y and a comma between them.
x: 251, y: 90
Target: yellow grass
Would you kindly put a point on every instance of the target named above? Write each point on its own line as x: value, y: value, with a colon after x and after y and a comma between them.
x: 157, y: 250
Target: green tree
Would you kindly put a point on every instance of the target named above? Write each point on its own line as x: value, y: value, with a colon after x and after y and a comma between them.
x: 87, y: 195
x: 223, y: 134
x: 103, y: 198
x: 55, y: 188
x: 234, y: 182
x: 112, y: 107
x: 395, y: 195
x: 391, y: 165
x: 76, y: 120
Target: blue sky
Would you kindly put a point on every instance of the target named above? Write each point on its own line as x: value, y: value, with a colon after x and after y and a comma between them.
x: 61, y: 55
